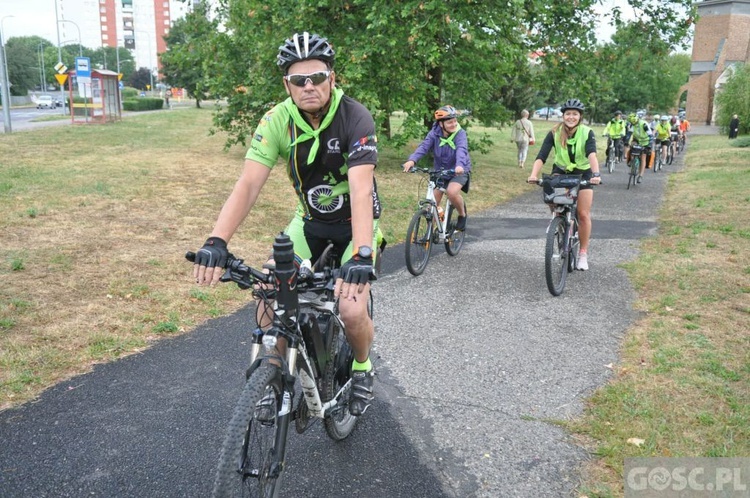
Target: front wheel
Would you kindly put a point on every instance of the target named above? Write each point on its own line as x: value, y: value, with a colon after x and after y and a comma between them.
x: 454, y: 239
x: 339, y: 423
x: 611, y: 162
x: 555, y: 256
x: 419, y: 242
x: 248, y: 464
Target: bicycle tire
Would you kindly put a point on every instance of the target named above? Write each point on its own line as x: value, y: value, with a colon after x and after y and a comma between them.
x: 249, y: 445
x: 337, y: 373
x: 418, y: 242
x: 670, y: 154
x: 574, y: 244
x: 555, y: 264
x: 611, y: 163
x: 634, y: 165
x: 454, y: 239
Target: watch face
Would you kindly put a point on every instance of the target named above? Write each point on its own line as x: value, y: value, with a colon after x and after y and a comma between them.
x: 364, y: 252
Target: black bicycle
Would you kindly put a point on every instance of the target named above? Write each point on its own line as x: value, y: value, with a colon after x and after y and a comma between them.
x: 431, y: 224
x: 317, y: 356
x: 614, y: 153
x: 634, y: 164
x: 563, y: 243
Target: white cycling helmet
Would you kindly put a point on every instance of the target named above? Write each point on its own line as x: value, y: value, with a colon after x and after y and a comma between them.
x: 665, y: 118
x: 656, y: 117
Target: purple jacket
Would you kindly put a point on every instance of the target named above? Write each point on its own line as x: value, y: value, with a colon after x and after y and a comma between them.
x: 445, y: 156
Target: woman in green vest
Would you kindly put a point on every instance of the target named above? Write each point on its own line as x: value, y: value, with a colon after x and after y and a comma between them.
x: 575, y: 154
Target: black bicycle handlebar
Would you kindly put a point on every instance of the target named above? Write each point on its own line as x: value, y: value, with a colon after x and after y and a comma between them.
x: 245, y: 276
x: 428, y: 171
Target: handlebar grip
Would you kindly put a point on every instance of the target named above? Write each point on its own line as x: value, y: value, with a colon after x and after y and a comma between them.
x: 190, y: 256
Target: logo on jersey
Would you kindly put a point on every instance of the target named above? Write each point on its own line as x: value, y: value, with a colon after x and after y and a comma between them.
x: 333, y: 146
x: 327, y: 198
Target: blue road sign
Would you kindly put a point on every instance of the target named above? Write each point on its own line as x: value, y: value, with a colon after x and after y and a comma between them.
x: 83, y: 67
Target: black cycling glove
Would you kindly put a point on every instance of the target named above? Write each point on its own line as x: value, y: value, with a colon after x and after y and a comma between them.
x: 357, y: 270
x: 213, y: 253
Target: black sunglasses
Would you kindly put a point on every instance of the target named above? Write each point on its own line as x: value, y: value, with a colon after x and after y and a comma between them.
x: 301, y: 79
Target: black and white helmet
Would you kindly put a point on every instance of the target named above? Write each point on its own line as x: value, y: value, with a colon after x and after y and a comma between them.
x: 572, y: 104
x: 303, y: 46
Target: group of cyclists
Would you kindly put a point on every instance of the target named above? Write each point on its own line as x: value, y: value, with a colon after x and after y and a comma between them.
x: 657, y: 134
x: 329, y: 145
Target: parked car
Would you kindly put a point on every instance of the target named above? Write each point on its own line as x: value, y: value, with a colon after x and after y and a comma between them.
x: 45, y: 102
x: 548, y: 111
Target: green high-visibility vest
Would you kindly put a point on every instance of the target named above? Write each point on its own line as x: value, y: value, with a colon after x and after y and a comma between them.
x: 578, y: 143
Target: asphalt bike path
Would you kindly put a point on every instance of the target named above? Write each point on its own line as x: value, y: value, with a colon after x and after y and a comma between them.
x: 475, y: 361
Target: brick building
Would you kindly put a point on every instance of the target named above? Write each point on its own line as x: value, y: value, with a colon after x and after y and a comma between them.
x: 722, y: 39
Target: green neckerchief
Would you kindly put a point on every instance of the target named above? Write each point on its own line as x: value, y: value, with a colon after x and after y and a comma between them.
x: 449, y: 141
x: 307, y: 130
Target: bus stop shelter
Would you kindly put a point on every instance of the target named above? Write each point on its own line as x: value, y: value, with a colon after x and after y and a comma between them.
x: 96, y: 98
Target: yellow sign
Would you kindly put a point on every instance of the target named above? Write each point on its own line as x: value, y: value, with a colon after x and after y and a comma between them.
x: 148, y: 87
x: 61, y: 68
x: 61, y: 78
x: 119, y: 76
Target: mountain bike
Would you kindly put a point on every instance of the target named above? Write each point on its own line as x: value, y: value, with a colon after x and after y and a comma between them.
x: 634, y: 164
x: 432, y: 224
x: 671, y: 150
x: 563, y: 243
x: 317, y: 355
x: 610, y: 154
x: 656, y: 150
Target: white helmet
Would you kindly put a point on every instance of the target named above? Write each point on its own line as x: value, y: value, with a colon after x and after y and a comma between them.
x: 656, y: 117
x: 665, y: 118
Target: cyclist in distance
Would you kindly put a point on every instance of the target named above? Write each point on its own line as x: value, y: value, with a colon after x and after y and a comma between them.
x: 641, y: 136
x: 661, y: 135
x: 450, y: 149
x: 615, y: 131
x: 328, y: 142
x: 574, y: 147
x: 676, y: 132
x: 684, y: 128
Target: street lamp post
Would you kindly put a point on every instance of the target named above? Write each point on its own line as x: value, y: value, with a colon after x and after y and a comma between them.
x: 5, y: 81
x: 80, y: 48
x: 59, y: 54
x: 42, y: 71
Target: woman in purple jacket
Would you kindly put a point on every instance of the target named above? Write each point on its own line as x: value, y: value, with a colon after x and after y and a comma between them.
x: 450, y: 148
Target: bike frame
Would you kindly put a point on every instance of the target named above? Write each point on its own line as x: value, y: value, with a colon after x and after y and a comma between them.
x: 429, y: 200
x: 287, y: 324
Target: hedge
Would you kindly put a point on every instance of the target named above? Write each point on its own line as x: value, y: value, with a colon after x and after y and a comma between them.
x: 143, y: 104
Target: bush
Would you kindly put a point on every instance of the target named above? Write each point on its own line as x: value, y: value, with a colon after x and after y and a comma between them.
x: 129, y: 93
x: 143, y: 104
x: 740, y: 142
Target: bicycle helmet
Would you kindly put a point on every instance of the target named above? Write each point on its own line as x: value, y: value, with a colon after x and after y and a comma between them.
x: 572, y: 104
x: 445, y: 113
x: 303, y: 46
x: 656, y: 117
x: 665, y: 118
x: 618, y: 113
x: 632, y: 118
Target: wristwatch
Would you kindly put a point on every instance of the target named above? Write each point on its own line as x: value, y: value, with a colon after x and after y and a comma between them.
x: 596, y: 175
x: 363, y: 252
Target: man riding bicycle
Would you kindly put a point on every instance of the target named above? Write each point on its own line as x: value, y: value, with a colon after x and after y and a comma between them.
x: 615, y: 131
x: 641, y: 136
x: 450, y: 149
x: 328, y: 142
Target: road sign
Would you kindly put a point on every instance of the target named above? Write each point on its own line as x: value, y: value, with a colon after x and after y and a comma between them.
x: 61, y: 78
x: 61, y: 68
x: 83, y: 67
x: 119, y: 76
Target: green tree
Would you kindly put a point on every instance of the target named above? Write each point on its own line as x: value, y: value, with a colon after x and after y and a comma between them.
x: 412, y: 55
x: 189, y: 48
x: 734, y: 98
x: 140, y: 79
x: 24, y: 63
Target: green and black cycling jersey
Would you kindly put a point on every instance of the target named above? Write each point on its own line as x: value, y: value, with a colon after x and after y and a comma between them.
x: 320, y: 178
